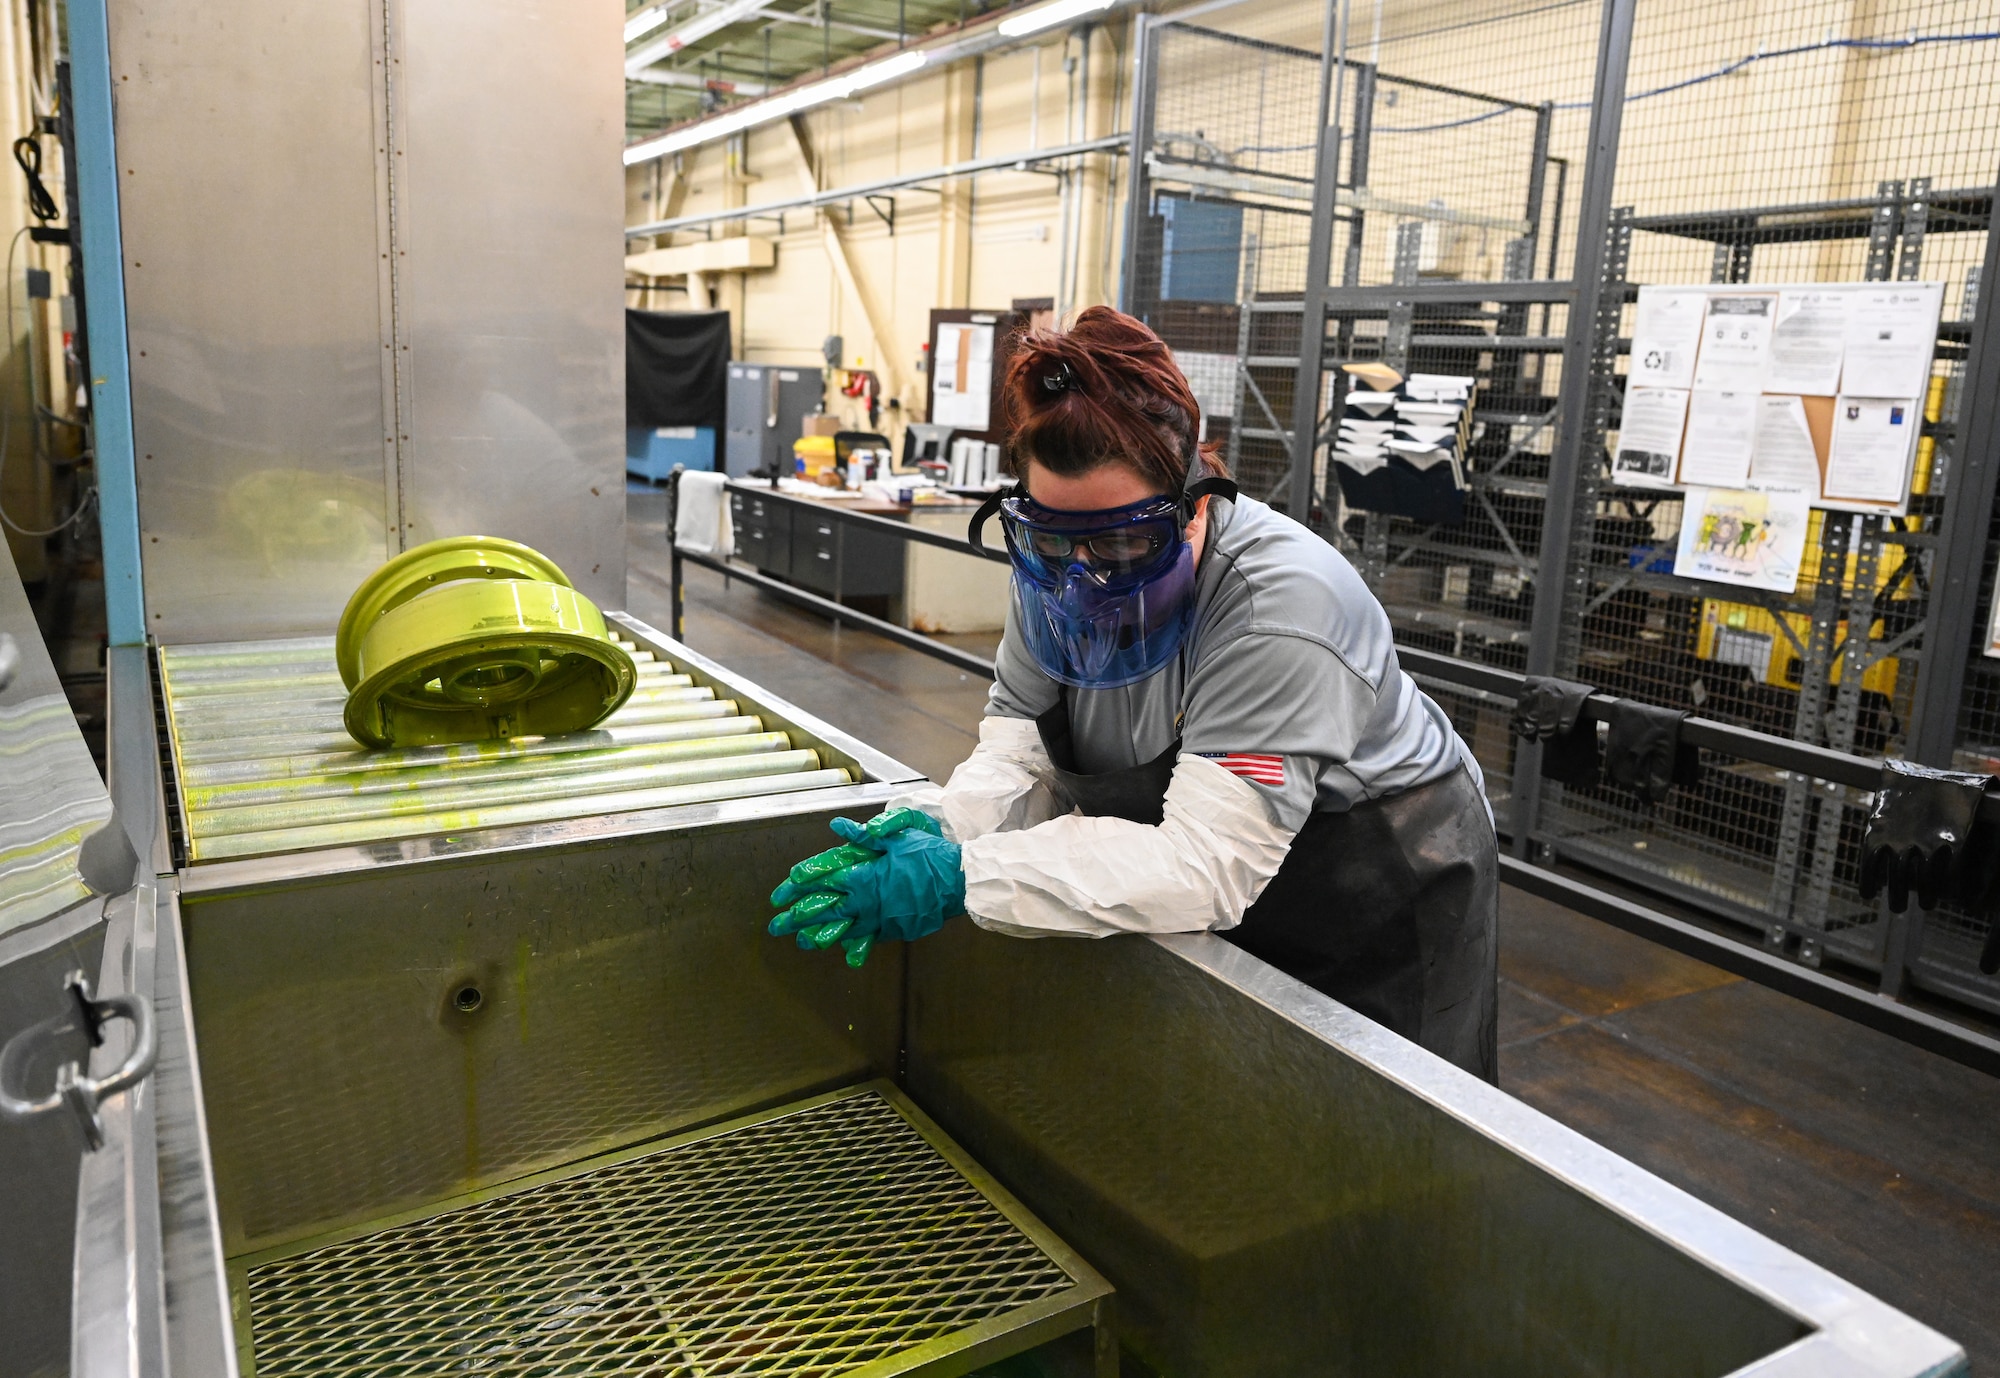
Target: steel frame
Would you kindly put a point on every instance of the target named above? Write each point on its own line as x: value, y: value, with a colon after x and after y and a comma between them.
x: 1804, y: 884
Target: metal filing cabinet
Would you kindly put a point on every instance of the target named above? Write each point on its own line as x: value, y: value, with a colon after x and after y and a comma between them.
x: 803, y: 542
x: 763, y: 528
x: 840, y: 558
x: 767, y: 406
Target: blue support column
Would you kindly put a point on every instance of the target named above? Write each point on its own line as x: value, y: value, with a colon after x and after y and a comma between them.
x: 104, y: 299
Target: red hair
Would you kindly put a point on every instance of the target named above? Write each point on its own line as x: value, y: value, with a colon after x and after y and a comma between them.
x: 1107, y: 390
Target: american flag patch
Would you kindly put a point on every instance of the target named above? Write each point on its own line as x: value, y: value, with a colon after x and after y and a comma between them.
x: 1258, y: 769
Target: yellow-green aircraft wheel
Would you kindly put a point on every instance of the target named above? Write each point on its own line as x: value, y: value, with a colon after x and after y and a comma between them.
x: 426, y: 567
x: 475, y: 638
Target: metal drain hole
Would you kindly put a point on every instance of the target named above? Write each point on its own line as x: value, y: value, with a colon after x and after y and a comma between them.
x: 467, y: 999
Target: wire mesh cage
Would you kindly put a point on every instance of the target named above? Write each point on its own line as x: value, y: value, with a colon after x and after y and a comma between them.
x: 1819, y: 144
x: 1808, y: 146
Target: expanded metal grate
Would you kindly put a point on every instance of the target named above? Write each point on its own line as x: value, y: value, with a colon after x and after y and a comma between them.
x: 813, y: 1241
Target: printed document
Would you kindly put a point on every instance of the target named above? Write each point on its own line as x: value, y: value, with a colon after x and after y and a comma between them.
x: 1666, y: 336
x: 1807, y: 340
x: 1721, y: 434
x: 1736, y: 342
x: 1784, y: 456
x: 1649, y: 437
x: 1891, y: 337
x: 1873, y: 441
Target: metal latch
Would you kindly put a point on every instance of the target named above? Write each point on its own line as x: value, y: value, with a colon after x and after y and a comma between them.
x: 74, y: 1089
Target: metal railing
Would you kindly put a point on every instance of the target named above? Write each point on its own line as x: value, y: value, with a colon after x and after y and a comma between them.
x: 1532, y: 866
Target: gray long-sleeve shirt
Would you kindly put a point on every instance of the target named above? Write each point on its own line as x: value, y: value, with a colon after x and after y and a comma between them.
x: 1289, y: 680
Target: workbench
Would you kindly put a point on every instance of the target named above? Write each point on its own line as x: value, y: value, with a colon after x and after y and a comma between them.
x: 802, y: 540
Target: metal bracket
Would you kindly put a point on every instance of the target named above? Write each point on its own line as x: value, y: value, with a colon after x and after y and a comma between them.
x: 887, y: 217
x: 82, y: 1094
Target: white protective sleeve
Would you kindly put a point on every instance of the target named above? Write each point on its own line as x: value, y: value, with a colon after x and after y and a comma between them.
x: 1004, y: 785
x: 1199, y: 870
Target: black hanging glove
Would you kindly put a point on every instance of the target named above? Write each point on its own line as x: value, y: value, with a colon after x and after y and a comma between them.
x: 1547, y: 707
x: 1919, y: 834
x: 1643, y: 750
x: 1550, y: 711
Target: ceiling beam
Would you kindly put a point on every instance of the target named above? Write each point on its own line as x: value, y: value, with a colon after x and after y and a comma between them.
x: 703, y: 24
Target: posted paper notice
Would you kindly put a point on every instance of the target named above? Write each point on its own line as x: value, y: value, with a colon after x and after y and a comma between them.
x: 1784, y: 455
x: 1721, y: 436
x: 1891, y: 337
x: 1873, y: 442
x: 1736, y: 342
x: 1649, y: 436
x: 1807, y: 340
x: 1666, y: 336
x: 1756, y: 540
x: 962, y: 385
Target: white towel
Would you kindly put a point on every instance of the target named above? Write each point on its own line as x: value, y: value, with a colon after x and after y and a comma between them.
x: 1360, y: 464
x: 702, y: 524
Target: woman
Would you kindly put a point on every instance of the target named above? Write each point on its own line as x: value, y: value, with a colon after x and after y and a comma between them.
x: 1197, y: 723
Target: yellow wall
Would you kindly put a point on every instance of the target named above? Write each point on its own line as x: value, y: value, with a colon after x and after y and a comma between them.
x: 1823, y: 124
x: 983, y: 243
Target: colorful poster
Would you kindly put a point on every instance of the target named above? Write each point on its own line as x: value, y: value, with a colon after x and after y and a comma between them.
x: 1756, y: 540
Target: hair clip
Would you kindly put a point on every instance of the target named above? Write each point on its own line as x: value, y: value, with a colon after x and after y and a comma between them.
x: 1061, y: 379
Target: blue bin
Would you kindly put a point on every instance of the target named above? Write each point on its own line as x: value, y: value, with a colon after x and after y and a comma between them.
x: 651, y: 452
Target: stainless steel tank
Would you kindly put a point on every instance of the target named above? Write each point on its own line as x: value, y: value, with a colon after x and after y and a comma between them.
x: 546, y: 1088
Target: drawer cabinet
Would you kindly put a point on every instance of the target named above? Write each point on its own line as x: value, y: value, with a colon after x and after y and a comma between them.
x: 815, y: 549
x: 763, y: 532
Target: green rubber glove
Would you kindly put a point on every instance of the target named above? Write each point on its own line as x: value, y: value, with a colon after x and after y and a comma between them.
x: 864, y: 843
x: 814, y: 872
x: 894, y: 876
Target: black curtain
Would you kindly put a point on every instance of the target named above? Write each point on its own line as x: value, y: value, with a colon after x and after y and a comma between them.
x: 676, y: 369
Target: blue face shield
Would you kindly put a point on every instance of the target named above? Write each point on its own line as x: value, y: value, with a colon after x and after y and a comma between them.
x: 1102, y: 598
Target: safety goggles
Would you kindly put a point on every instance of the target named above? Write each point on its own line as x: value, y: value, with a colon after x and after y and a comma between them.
x: 1114, y: 547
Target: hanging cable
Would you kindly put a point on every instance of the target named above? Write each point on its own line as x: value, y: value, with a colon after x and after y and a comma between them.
x: 28, y: 153
x: 84, y: 503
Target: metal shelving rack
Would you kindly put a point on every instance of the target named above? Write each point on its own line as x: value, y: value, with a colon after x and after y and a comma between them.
x: 1805, y: 906
x: 1563, y: 568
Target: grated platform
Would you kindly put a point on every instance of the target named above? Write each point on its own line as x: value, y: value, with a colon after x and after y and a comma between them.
x: 841, y: 1234
x: 264, y: 765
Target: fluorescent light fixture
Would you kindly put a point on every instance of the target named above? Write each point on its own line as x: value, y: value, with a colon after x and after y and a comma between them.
x: 1048, y: 16
x: 698, y: 27
x: 901, y: 65
x: 764, y: 111
x: 644, y: 22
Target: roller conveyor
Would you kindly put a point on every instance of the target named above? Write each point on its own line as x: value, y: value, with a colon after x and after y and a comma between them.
x: 264, y: 765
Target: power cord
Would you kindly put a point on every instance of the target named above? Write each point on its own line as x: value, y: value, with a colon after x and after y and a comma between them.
x: 28, y: 153
x: 84, y: 503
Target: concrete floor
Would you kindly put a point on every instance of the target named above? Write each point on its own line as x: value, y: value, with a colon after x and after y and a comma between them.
x: 1868, y: 1156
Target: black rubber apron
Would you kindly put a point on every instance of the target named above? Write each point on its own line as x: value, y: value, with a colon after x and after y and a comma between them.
x: 1389, y: 907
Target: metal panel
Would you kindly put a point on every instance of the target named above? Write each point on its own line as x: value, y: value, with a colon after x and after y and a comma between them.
x: 118, y: 1317
x: 1276, y: 1185
x: 41, y: 1156
x: 293, y: 218
x: 250, y: 260
x: 97, y: 218
x: 54, y: 799
x: 619, y: 990
x: 510, y: 211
